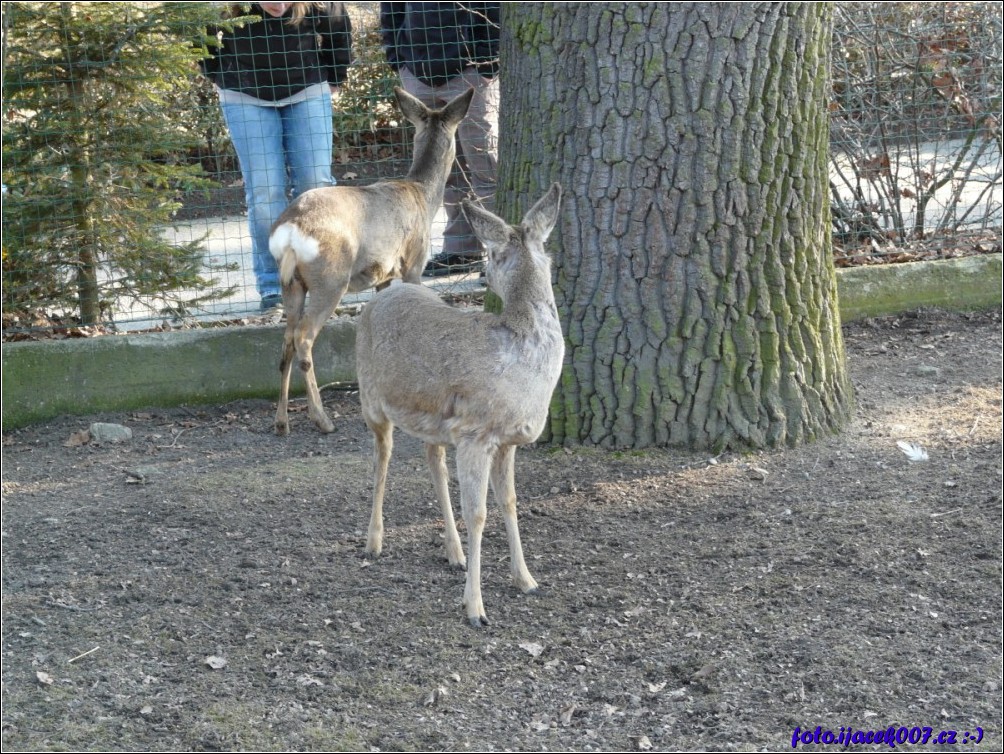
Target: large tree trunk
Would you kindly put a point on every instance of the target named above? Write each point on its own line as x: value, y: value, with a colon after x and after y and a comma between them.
x: 694, y: 277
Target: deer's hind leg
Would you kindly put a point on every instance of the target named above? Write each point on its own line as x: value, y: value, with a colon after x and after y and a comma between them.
x: 436, y: 457
x: 383, y: 446
x: 504, y: 489
x: 322, y: 303
x: 293, y: 296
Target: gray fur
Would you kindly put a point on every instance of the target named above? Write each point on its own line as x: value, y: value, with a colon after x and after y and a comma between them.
x: 479, y: 381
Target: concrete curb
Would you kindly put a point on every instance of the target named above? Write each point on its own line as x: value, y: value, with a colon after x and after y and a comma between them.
x: 960, y: 284
x: 116, y: 373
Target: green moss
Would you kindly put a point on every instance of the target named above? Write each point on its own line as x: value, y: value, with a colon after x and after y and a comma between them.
x: 532, y: 34
x: 958, y: 284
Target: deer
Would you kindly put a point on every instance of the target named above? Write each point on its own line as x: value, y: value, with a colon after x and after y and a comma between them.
x: 479, y: 381
x: 337, y: 239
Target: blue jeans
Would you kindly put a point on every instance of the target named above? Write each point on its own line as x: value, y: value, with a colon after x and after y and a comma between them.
x: 279, y: 148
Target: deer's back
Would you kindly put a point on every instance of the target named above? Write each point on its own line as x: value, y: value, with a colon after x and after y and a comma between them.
x: 441, y: 373
x: 375, y: 231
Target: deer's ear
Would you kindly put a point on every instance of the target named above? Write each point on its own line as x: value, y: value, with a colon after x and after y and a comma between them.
x: 490, y: 229
x: 411, y: 106
x: 540, y: 220
x: 456, y: 109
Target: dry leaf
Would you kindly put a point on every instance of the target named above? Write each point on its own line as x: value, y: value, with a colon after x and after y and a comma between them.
x: 533, y: 648
x: 78, y: 438
x: 914, y: 453
x: 644, y: 744
x: 44, y: 677
x: 216, y: 662
x: 435, y: 695
x: 704, y: 673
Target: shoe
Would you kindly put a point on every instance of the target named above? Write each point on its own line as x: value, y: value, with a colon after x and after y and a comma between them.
x: 452, y: 264
x: 271, y: 301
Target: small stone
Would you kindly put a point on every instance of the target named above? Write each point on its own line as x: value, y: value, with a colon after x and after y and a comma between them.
x: 109, y: 433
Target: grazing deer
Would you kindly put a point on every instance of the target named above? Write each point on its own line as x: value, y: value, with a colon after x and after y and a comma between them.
x: 479, y: 381
x: 336, y: 239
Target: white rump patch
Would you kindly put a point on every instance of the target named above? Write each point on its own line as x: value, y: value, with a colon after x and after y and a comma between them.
x: 286, y: 235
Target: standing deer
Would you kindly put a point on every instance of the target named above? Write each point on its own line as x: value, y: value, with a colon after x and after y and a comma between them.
x: 479, y: 381
x: 336, y: 239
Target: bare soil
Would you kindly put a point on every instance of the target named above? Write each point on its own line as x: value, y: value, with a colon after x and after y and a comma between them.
x: 202, y: 586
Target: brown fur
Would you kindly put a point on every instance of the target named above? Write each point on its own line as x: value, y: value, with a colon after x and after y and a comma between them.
x: 337, y: 239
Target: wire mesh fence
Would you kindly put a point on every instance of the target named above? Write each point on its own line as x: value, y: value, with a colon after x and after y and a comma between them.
x: 131, y: 191
x: 915, y: 141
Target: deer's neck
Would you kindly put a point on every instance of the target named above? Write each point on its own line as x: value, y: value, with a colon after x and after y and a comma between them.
x: 531, y: 311
x: 431, y: 166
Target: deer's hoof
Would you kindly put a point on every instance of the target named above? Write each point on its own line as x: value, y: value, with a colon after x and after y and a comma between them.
x: 325, y: 425
x: 282, y: 428
x: 478, y: 621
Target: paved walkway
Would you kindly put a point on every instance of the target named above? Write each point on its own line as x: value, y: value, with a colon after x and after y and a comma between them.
x: 228, y: 257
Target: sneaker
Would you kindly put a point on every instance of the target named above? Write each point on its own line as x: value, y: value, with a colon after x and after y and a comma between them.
x: 271, y: 301
x: 452, y: 264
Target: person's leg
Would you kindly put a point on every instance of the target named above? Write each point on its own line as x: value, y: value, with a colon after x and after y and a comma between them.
x: 256, y: 133
x: 429, y: 96
x: 478, y: 134
x: 307, y: 142
x: 476, y: 166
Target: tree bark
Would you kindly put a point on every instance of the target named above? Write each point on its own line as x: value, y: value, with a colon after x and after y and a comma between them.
x: 693, y: 269
x: 86, y: 262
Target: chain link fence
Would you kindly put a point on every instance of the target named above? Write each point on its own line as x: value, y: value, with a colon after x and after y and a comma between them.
x: 124, y: 204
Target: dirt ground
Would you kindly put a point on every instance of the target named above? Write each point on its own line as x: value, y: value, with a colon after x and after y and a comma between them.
x: 201, y: 587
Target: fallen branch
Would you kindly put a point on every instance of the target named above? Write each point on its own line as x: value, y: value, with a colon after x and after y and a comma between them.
x: 89, y: 651
x: 946, y: 513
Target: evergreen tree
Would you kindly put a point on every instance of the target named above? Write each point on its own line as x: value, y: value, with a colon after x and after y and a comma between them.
x: 93, y: 158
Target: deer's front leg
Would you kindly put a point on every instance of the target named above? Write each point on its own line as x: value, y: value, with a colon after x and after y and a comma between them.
x: 473, y: 462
